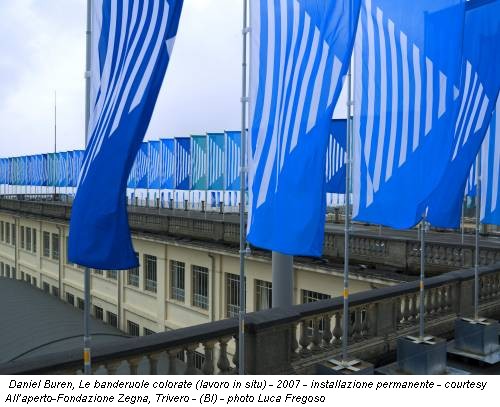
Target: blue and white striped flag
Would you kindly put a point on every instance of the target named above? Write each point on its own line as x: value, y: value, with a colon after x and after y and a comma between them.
x: 199, y: 162
x: 300, y: 52
x: 233, y: 159
x: 132, y: 43
x: 62, y: 169
x: 215, y: 161
x: 167, y: 163
x: 336, y: 157
x: 182, y: 163
x: 154, y: 164
x: 471, y: 182
x: 480, y: 84
x: 142, y: 160
x: 404, y: 105
x: 490, y: 172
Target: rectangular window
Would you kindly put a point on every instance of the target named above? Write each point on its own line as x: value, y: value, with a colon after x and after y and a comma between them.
x: 112, y: 319
x: 55, y: 246
x: 46, y: 244
x: 7, y: 270
x: 22, y: 237
x: 1, y: 269
x: 150, y: 273
x: 1, y: 231
x: 55, y: 291
x: 13, y: 234
x: 22, y: 275
x: 133, y: 328
x: 28, y: 278
x: 98, y: 272
x: 34, y: 282
x: 263, y: 295
x: 232, y: 295
x: 46, y: 287
x: 7, y: 232
x: 200, y: 287
x: 112, y: 274
x: 28, y: 239
x: 313, y: 296
x: 33, y: 237
x: 177, y: 280
x: 133, y: 275
x: 80, y: 303
x: 98, y: 313
x: 70, y: 299
x: 147, y: 331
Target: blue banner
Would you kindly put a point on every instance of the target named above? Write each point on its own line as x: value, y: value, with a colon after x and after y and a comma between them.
x: 199, y: 162
x: 215, y: 161
x: 335, y: 157
x: 300, y: 51
x: 405, y: 102
x: 490, y: 172
x: 154, y: 165
x: 167, y: 164
x: 479, y: 88
x: 233, y: 160
x: 182, y: 163
x: 132, y: 44
x: 62, y: 169
x: 141, y: 160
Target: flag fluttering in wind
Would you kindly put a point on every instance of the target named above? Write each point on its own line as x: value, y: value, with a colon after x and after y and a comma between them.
x: 407, y: 63
x: 480, y: 84
x: 490, y: 172
x: 132, y: 42
x: 300, y: 52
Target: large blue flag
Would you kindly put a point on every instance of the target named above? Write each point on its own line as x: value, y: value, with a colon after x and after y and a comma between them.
x: 336, y: 157
x: 404, y: 105
x: 167, y: 163
x: 300, y: 51
x: 154, y: 164
x: 182, y: 163
x: 199, y: 162
x: 215, y: 161
x: 490, y: 172
x: 132, y: 45
x: 479, y: 88
x: 233, y: 159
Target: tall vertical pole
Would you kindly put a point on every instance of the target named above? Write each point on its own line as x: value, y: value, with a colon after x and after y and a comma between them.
x: 243, y: 169
x: 55, y: 144
x: 423, y: 225
x: 478, y: 225
x: 345, y: 319
x: 87, y: 368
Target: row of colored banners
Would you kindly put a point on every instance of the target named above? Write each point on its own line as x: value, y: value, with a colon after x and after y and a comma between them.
x: 199, y: 162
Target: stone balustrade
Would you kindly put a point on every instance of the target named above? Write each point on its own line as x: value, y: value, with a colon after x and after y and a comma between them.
x: 294, y: 339
x: 394, y: 249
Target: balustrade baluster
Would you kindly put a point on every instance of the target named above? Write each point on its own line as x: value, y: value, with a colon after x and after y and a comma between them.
x: 327, y: 331
x: 223, y: 362
x: 153, y: 363
x: 208, y: 367
x: 190, y: 366
x: 133, y: 364
x: 316, y: 336
x: 294, y: 342
x: 337, y: 330
x: 172, y: 361
x: 305, y: 339
x: 356, y: 327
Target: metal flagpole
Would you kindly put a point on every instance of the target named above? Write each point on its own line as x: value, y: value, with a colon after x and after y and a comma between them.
x: 478, y: 225
x: 345, y: 319
x: 423, y: 225
x: 87, y: 368
x: 55, y: 143
x: 243, y: 169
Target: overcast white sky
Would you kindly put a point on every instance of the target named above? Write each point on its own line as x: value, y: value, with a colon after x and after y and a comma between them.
x: 42, y: 50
